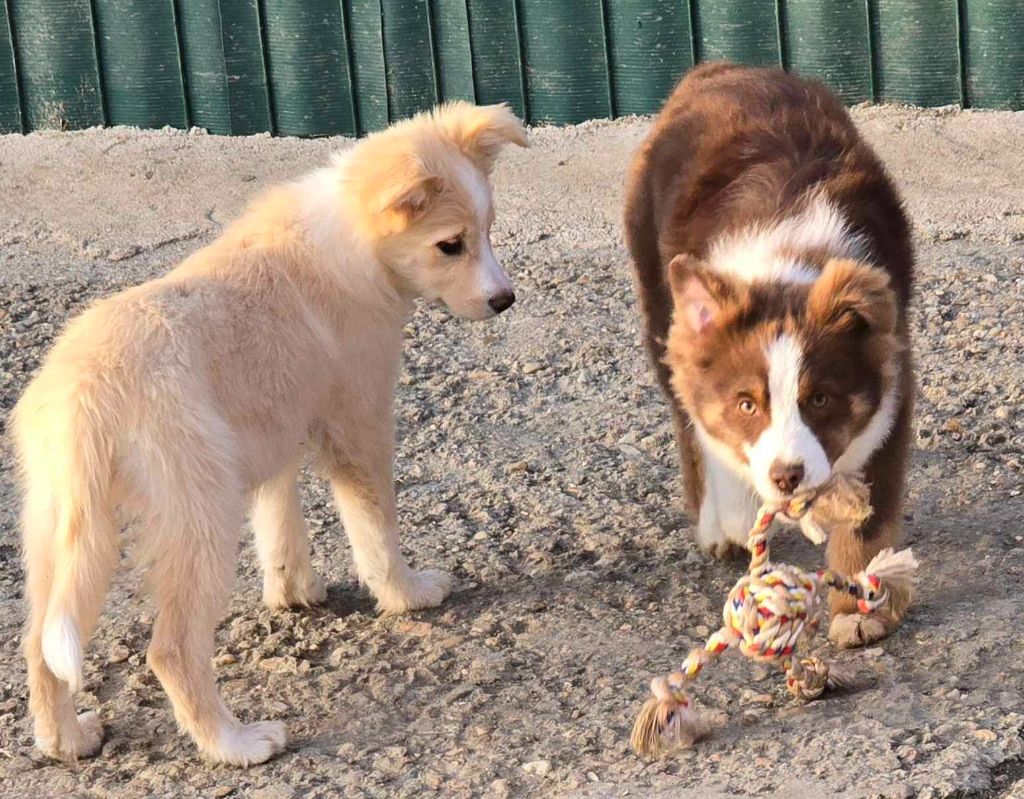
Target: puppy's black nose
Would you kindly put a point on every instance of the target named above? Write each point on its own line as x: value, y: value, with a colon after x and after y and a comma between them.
x: 786, y: 476
x: 502, y: 302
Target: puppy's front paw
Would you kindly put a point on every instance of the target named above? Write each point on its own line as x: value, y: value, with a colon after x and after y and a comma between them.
x: 425, y: 589
x: 248, y: 744
x: 849, y: 630
x: 294, y: 591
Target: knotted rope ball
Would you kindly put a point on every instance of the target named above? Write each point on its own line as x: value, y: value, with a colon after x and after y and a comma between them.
x: 774, y: 609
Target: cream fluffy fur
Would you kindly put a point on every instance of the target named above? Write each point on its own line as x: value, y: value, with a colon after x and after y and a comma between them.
x: 189, y: 400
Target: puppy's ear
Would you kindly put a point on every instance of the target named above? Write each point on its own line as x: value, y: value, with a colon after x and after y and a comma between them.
x: 480, y: 131
x: 699, y: 294
x: 392, y: 185
x: 405, y: 188
x: 851, y: 297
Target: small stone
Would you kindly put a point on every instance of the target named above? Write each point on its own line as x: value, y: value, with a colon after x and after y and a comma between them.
x: 499, y: 789
x: 539, y: 768
x: 221, y: 791
x: 481, y: 536
x: 531, y: 368
x: 417, y: 628
x: 750, y: 698
x: 280, y: 665
x: 985, y: 735
x: 225, y: 659
x: 119, y: 653
x: 273, y: 792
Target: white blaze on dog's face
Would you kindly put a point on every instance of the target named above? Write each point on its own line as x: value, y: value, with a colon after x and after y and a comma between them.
x: 432, y: 204
x: 786, y: 381
x: 456, y: 262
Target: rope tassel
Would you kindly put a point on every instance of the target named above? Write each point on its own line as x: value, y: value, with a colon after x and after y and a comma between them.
x: 773, y: 611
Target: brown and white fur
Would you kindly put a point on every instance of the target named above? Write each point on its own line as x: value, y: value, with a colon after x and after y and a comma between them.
x: 190, y: 400
x: 774, y: 269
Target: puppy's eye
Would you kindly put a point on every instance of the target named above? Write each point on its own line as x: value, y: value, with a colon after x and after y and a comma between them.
x: 819, y: 400
x: 452, y: 246
x: 747, y: 406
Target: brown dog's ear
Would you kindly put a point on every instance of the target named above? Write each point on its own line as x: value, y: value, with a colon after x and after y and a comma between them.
x: 480, y: 131
x: 698, y: 293
x: 851, y: 296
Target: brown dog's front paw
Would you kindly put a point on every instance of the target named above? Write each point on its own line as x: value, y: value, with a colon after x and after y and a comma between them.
x: 725, y: 550
x: 850, y: 630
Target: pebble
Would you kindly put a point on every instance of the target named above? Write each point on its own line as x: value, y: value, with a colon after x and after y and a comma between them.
x: 539, y: 768
x: 119, y: 653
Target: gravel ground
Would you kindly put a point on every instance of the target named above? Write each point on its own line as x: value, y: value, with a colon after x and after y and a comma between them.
x: 536, y: 463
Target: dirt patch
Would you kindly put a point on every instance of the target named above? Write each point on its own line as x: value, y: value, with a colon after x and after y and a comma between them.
x: 536, y: 463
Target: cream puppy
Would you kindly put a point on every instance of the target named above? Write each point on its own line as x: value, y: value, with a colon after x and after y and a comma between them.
x: 190, y: 400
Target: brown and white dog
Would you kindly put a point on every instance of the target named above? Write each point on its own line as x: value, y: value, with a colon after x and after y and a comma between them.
x: 190, y: 400
x: 774, y: 268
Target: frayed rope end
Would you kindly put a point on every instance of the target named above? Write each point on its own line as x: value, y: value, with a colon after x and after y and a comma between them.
x: 666, y: 723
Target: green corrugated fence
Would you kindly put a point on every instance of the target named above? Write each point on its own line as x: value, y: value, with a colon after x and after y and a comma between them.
x: 320, y: 67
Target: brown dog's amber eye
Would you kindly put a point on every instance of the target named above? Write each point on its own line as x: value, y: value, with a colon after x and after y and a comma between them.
x: 451, y: 246
x: 819, y: 401
x: 747, y: 406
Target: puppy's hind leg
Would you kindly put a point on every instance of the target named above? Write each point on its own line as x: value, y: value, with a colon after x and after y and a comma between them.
x: 193, y: 551
x: 67, y: 571
x: 282, y: 541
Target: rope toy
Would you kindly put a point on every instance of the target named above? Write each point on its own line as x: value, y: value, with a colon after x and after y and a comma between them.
x: 773, y: 610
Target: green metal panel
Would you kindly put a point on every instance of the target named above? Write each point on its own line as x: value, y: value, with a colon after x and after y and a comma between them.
x: 745, y: 31
x: 248, y: 96
x: 409, y: 57
x: 56, y: 56
x: 10, y: 98
x: 649, y: 48
x: 828, y: 40
x: 497, y: 58
x: 993, y: 37
x: 916, y: 51
x: 307, y: 67
x: 567, y: 69
x: 366, y: 40
x: 202, y: 55
x: 451, y: 47
x: 320, y: 67
x: 138, y: 54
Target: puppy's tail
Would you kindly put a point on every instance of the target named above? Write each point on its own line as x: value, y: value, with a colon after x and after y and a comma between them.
x: 69, y: 534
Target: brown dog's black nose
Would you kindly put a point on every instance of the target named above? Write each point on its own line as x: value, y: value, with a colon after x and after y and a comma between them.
x: 502, y: 302
x: 786, y: 476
